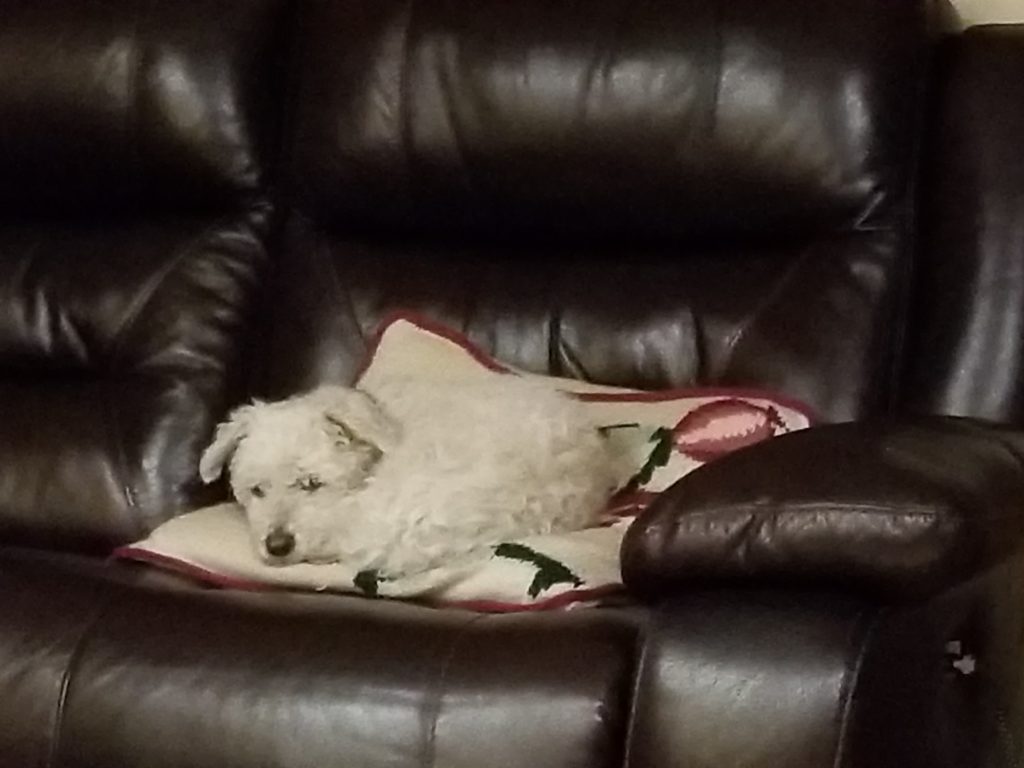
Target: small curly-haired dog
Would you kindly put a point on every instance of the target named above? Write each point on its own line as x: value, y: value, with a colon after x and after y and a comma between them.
x: 415, y: 475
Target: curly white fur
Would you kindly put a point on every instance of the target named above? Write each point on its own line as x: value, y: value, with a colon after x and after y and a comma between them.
x: 416, y: 475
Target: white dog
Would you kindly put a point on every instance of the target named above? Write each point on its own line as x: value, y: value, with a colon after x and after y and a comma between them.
x: 415, y: 476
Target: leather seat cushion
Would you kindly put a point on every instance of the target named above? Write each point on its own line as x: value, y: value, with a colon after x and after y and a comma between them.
x: 135, y: 667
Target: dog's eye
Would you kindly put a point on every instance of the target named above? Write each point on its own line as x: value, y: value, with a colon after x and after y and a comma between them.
x: 310, y: 484
x: 257, y: 491
x: 343, y: 435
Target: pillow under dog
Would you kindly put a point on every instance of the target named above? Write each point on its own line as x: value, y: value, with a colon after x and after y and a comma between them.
x: 668, y: 434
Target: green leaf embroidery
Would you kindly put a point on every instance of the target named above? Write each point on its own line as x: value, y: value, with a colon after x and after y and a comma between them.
x: 549, y: 570
x: 368, y: 582
x: 658, y: 457
x: 777, y: 422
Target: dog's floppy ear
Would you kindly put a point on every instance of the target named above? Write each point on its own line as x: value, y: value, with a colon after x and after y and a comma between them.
x: 357, y: 417
x: 229, y: 434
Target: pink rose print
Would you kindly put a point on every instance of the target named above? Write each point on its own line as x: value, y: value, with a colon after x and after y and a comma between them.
x: 723, y: 426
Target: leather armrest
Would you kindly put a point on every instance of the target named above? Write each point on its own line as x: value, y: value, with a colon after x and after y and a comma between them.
x: 903, y: 510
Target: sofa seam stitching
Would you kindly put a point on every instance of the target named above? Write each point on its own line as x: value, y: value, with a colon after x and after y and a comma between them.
x: 155, y: 284
x: 429, y: 748
x: 812, y: 509
x: 405, y: 127
x: 126, y: 486
x: 863, y: 510
x: 644, y: 641
x: 850, y: 685
x: 908, y: 226
x: 769, y: 300
x: 57, y: 729
x: 717, y: 22
x: 329, y: 267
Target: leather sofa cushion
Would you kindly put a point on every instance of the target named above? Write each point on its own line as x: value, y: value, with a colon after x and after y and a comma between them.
x: 121, y: 343
x: 655, y: 195
x: 649, y: 120
x: 133, y: 141
x: 813, y: 321
x: 109, y: 665
x: 118, y: 103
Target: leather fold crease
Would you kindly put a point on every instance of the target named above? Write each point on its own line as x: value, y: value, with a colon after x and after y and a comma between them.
x: 903, y: 510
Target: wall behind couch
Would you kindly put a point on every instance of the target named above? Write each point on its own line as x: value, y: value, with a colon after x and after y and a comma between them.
x: 990, y: 11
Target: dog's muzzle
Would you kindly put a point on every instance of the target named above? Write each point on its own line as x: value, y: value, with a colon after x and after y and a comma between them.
x: 279, y: 542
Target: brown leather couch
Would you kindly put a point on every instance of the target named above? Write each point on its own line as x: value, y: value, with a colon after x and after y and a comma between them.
x: 204, y: 200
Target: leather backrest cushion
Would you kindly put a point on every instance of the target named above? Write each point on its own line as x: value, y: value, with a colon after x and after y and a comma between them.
x: 812, y: 320
x: 113, y: 103
x: 656, y: 118
x: 967, y: 356
x: 121, y: 344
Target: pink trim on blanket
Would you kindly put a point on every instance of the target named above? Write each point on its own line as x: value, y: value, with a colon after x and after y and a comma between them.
x: 666, y: 395
x: 186, y: 568
x: 638, y: 396
x: 549, y: 604
x: 223, y: 581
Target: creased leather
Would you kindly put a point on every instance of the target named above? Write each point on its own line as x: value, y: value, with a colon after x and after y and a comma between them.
x: 898, y: 510
x: 171, y: 675
x: 121, y: 344
x: 654, y: 194
x: 116, y: 104
x: 613, y: 118
x: 966, y: 356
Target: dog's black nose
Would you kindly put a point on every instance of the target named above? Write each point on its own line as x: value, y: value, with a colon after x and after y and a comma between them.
x: 279, y: 542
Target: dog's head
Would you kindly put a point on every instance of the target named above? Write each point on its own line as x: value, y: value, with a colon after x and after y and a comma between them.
x: 280, y: 455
